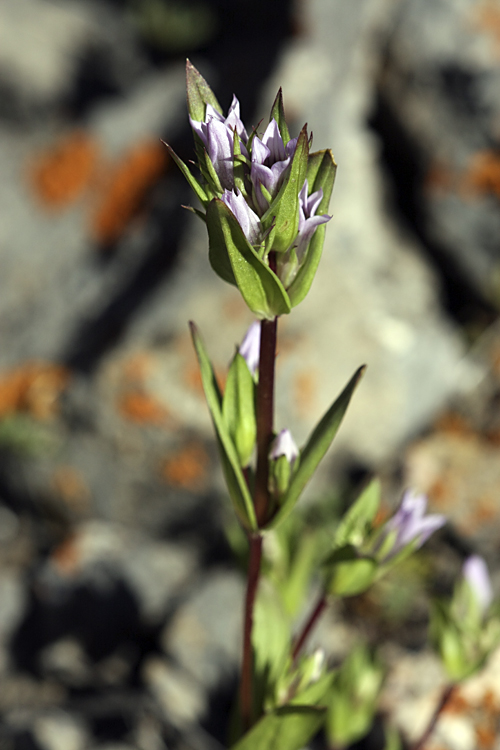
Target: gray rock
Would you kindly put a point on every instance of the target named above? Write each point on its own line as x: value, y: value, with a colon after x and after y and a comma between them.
x: 181, y: 699
x: 60, y: 731
x: 442, y: 82
x: 100, y: 553
x: 204, y: 636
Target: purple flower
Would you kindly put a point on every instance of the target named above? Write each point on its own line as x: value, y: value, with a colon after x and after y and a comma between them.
x: 308, y: 222
x: 250, y: 347
x: 410, y: 524
x: 476, y: 574
x: 290, y: 262
x: 270, y: 159
x: 217, y: 134
x: 247, y: 219
x: 284, y: 445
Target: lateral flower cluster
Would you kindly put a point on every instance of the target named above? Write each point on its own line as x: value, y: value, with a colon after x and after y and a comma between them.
x: 265, y: 199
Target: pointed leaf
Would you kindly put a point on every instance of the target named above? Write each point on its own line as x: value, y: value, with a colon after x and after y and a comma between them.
x: 284, y: 210
x: 352, y: 528
x: 193, y: 182
x: 278, y: 113
x: 321, y: 172
x: 286, y: 728
x: 237, y: 485
x: 347, y: 573
x: 316, y: 447
x: 271, y: 636
x: 199, y: 94
x: 238, y: 408
x: 259, y: 286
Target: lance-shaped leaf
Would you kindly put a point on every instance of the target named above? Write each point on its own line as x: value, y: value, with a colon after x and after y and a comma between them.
x: 283, y: 212
x: 287, y: 728
x: 321, y: 170
x: 235, y: 480
x: 357, y: 520
x: 316, y: 447
x: 259, y: 286
x: 278, y: 113
x: 192, y: 181
x: 348, y: 574
x: 199, y: 94
x: 238, y: 408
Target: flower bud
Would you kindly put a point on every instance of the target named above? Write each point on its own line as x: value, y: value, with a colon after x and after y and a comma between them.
x: 283, y: 455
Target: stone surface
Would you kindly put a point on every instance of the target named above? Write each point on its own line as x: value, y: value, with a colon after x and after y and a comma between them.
x: 442, y: 83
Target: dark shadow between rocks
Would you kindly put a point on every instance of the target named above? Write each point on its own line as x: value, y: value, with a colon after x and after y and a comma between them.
x: 405, y: 167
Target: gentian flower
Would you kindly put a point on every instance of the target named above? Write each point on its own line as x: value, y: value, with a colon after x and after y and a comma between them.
x: 270, y: 159
x: 408, y: 526
x: 247, y: 219
x: 290, y: 262
x: 475, y: 573
x: 284, y: 445
x: 282, y: 457
x: 217, y: 134
x: 250, y: 347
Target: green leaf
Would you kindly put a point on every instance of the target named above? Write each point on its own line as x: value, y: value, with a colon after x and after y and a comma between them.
x: 321, y: 172
x: 271, y: 636
x: 278, y: 113
x: 199, y: 94
x: 283, y: 212
x: 261, y: 289
x: 347, y: 573
x: 238, y: 408
x: 316, y: 447
x: 193, y: 182
x: 286, y: 728
x: 353, y: 526
x: 235, y: 480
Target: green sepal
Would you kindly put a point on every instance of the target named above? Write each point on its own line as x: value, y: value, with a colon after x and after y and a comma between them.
x: 233, y: 258
x: 357, y: 521
x: 208, y: 171
x: 238, y: 408
x: 278, y: 113
x: 316, y: 447
x: 348, y: 574
x: 284, y: 210
x: 287, y: 728
x: 235, y: 479
x: 239, y: 164
x: 321, y: 170
x: 199, y: 94
x: 193, y: 182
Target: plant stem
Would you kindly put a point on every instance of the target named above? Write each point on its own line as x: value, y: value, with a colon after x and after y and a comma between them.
x: 246, y: 696
x: 311, y: 622
x: 265, y: 413
x: 445, y: 697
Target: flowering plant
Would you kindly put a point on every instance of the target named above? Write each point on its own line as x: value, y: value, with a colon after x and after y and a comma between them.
x: 264, y: 198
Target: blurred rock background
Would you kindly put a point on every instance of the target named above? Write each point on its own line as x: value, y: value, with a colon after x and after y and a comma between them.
x: 114, y: 565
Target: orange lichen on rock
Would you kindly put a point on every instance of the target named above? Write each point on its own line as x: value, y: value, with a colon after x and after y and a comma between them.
x: 33, y: 388
x: 66, y: 556
x: 70, y: 486
x: 439, y: 177
x: 483, y: 174
x: 60, y: 174
x: 305, y: 388
x: 487, y: 18
x: 188, y: 468
x: 124, y: 190
x: 142, y: 408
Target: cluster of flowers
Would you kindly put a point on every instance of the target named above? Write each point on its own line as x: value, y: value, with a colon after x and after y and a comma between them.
x: 276, y: 192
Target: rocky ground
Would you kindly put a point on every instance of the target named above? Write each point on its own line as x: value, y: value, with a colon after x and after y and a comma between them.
x: 114, y: 564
